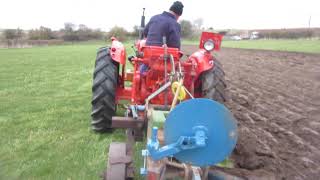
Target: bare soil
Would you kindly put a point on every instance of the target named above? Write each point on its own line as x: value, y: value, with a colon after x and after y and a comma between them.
x: 275, y: 96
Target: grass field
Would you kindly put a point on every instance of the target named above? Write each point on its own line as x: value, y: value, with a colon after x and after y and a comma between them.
x: 300, y: 45
x: 45, y: 108
x: 45, y: 95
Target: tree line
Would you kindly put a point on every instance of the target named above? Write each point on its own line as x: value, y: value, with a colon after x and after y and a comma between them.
x: 70, y: 32
x: 81, y: 32
x: 290, y: 33
x: 189, y: 30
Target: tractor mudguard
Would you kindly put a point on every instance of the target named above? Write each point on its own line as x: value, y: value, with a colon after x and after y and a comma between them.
x: 118, y: 51
x: 202, y: 58
x: 203, y: 61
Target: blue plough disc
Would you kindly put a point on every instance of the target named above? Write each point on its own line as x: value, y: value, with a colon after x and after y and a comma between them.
x: 222, y: 130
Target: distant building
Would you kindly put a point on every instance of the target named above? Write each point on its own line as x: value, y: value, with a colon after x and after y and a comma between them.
x: 244, y: 34
x: 236, y: 38
x: 249, y: 34
x: 237, y: 35
x: 254, y: 35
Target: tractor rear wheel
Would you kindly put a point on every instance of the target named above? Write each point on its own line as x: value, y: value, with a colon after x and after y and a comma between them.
x: 104, y: 87
x: 213, y: 83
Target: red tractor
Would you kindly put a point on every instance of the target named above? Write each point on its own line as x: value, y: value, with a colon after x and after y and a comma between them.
x: 199, y: 132
x: 201, y: 72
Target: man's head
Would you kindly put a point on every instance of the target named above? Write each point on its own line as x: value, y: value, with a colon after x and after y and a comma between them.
x: 177, y: 8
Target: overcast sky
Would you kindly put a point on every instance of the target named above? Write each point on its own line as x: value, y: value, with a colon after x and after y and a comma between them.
x: 104, y: 14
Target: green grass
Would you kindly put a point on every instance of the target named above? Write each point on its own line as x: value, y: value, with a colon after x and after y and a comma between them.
x: 190, y: 42
x: 299, y: 45
x: 45, y: 133
x: 45, y: 95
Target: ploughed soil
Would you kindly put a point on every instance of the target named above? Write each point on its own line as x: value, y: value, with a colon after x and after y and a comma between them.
x: 275, y: 96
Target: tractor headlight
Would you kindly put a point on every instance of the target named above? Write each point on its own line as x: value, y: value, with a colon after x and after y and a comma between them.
x: 209, y: 45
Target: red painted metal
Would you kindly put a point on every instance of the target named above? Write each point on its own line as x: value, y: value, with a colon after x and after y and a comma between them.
x: 140, y: 44
x: 123, y: 93
x: 215, y: 37
x: 144, y: 84
x: 118, y: 54
x: 201, y: 60
x: 118, y: 51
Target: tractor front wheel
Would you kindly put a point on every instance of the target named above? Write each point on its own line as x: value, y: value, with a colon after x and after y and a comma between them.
x: 104, y: 87
x: 213, y: 83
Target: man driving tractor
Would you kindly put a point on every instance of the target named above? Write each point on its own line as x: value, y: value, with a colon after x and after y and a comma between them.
x: 165, y: 25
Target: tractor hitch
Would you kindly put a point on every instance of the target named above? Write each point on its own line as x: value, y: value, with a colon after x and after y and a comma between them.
x: 127, y: 122
x: 198, y: 140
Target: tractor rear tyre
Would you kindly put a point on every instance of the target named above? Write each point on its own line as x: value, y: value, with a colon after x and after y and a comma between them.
x: 104, y: 87
x: 213, y: 83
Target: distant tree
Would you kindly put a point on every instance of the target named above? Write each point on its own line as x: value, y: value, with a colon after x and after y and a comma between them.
x: 70, y: 33
x: 224, y: 32
x: 135, y: 32
x: 33, y: 34
x: 19, y: 33
x: 186, y: 28
x: 70, y: 36
x: 83, y: 27
x: 96, y: 34
x: 10, y: 34
x: 119, y: 32
x: 69, y: 27
x: 198, y: 23
x: 286, y: 34
x: 43, y: 33
x: 84, y: 32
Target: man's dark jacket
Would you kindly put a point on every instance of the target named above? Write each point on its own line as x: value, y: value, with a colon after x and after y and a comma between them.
x: 160, y: 25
